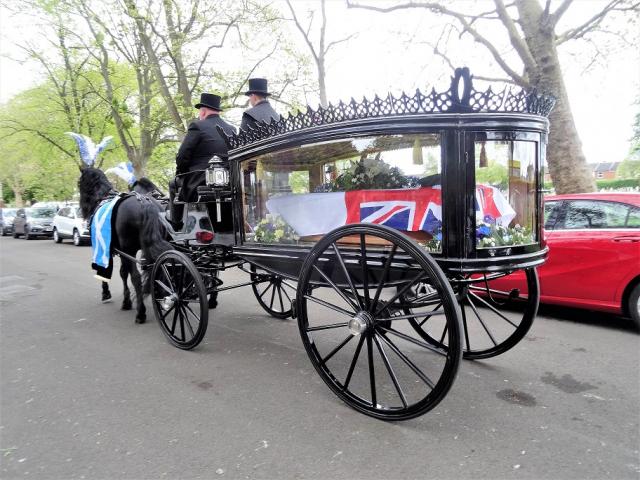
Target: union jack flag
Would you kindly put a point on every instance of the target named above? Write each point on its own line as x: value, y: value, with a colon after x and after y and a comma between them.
x: 407, y: 209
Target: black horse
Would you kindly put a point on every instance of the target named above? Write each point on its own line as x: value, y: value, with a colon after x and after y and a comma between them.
x: 136, y: 226
x: 143, y: 186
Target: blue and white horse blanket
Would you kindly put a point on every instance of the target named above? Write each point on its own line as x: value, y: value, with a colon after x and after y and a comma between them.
x: 101, y: 226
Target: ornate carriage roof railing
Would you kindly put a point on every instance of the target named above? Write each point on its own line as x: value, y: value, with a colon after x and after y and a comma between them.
x: 471, y: 101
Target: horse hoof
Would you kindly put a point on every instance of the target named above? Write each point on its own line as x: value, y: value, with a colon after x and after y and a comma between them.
x: 106, y: 296
x: 141, y: 319
x: 213, y: 304
x: 126, y: 305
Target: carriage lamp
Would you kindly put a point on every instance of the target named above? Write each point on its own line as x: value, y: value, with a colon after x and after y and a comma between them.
x: 217, y: 175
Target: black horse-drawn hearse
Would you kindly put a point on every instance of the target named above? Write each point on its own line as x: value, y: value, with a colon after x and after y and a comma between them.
x: 379, y: 226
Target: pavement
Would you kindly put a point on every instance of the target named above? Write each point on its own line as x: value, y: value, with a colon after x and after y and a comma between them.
x: 85, y: 393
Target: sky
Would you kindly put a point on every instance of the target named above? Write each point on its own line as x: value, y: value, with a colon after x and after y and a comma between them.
x: 390, y: 53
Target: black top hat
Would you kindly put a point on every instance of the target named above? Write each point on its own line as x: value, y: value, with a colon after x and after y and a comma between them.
x: 259, y: 86
x: 209, y: 100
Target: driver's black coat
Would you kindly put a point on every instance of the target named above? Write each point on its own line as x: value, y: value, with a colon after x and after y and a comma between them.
x: 201, y: 142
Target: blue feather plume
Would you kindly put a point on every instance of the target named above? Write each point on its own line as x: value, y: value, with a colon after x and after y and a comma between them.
x: 124, y: 171
x: 88, y: 150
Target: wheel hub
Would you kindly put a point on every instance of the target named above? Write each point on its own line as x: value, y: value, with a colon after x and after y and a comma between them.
x: 360, y: 323
x: 168, y: 302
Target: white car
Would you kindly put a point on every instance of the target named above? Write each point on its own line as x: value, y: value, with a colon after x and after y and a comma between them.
x: 68, y: 223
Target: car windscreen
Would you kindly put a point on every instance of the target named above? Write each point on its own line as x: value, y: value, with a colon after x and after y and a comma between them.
x: 42, y: 212
x: 9, y: 212
x: 78, y: 212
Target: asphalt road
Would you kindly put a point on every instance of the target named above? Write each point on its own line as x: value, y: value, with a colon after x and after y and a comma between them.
x: 87, y: 393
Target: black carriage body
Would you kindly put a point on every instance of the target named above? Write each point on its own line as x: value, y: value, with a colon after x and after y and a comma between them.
x: 461, y: 133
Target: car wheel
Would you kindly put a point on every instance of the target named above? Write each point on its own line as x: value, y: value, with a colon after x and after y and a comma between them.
x: 633, y: 306
x: 56, y: 238
x: 15, y: 234
x: 77, y: 241
x: 4, y: 232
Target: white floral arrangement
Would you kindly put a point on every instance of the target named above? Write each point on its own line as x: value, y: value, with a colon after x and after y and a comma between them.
x: 491, y: 235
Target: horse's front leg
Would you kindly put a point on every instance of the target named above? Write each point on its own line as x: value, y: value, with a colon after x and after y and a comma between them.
x: 106, y: 293
x: 124, y: 273
x: 136, y: 280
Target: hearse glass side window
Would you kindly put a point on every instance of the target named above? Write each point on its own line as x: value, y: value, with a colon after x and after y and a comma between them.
x: 506, y: 187
x: 300, y: 194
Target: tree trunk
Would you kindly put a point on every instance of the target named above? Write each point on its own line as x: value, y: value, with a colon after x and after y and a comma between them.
x: 567, y: 164
x: 321, y: 82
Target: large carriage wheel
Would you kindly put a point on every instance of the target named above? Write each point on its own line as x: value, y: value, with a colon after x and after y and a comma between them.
x: 274, y: 294
x: 179, y: 299
x: 494, y: 319
x: 352, y: 315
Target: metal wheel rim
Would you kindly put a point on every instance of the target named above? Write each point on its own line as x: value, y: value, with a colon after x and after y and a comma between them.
x: 275, y: 296
x: 480, y: 310
x: 176, y: 283
x: 379, y: 337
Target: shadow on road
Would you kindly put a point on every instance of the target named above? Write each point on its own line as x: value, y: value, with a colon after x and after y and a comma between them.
x: 587, y: 317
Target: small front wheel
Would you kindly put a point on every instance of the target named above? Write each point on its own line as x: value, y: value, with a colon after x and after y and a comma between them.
x: 273, y: 292
x: 56, y: 237
x: 179, y: 299
x: 77, y: 240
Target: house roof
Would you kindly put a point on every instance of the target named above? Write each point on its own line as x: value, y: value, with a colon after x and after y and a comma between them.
x: 604, y: 166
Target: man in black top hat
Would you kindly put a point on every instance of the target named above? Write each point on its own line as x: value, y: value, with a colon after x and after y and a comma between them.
x: 201, y: 142
x: 261, y: 110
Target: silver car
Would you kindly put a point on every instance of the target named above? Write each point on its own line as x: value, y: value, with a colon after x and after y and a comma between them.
x: 33, y: 222
x: 68, y: 223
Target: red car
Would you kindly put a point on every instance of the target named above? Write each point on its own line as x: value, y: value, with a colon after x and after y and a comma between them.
x: 594, y: 253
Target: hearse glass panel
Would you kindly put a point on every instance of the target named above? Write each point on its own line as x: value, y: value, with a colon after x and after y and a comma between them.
x: 505, y: 197
x: 299, y: 194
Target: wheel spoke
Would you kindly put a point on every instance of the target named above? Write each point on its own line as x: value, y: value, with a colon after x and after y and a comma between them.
x: 265, y: 291
x: 287, y: 295
x: 372, y: 373
x: 175, y: 319
x: 392, y: 374
x: 168, y: 277
x: 486, y: 329
x: 444, y: 334
x: 188, y: 309
x: 273, y: 296
x: 337, y: 349
x: 429, y: 316
x: 186, y: 318
x: 336, y: 288
x: 415, y: 315
x: 408, y: 362
x: 346, y: 274
x: 163, y: 286
x: 385, y: 272
x: 327, y: 327
x: 414, y: 341
x: 495, y: 310
x: 164, y: 315
x: 400, y: 292
x: 280, y: 298
x: 328, y: 305
x: 182, y: 326
x: 353, y: 363
x: 365, y: 271
x: 466, y: 329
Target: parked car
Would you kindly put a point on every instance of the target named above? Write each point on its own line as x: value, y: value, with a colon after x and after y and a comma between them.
x: 6, y: 220
x: 68, y: 223
x: 594, y: 253
x: 33, y: 222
